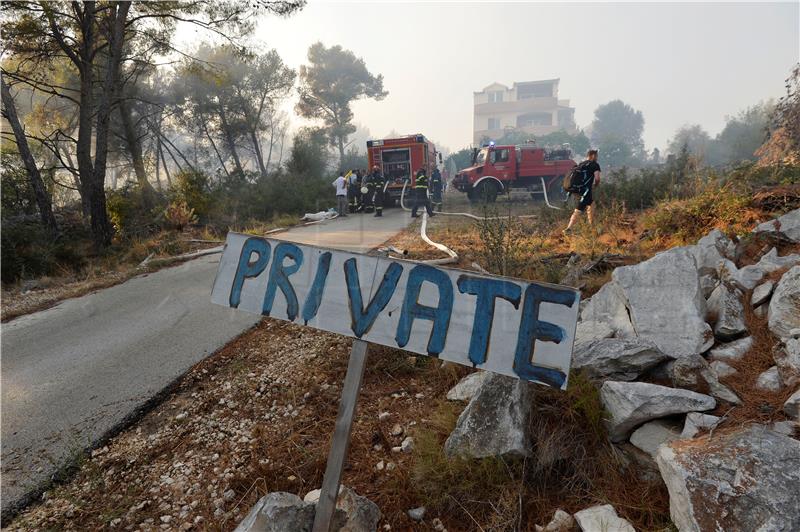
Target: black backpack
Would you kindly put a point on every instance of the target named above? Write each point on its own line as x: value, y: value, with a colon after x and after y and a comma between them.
x: 577, y: 178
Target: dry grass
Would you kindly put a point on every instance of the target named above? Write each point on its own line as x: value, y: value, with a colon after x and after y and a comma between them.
x: 760, y: 406
x: 572, y: 466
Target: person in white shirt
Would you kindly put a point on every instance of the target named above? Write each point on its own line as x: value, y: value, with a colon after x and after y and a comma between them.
x: 341, y: 194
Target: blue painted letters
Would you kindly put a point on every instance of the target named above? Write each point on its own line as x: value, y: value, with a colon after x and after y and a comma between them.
x: 362, y: 319
x: 247, y: 269
x: 279, y: 278
x: 439, y: 315
x: 486, y: 290
x: 531, y: 329
x: 314, y: 297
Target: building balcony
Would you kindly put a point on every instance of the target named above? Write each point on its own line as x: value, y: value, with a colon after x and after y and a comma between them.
x: 533, y: 131
x: 517, y: 106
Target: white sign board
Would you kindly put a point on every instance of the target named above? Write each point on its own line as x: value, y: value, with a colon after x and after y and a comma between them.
x: 517, y: 328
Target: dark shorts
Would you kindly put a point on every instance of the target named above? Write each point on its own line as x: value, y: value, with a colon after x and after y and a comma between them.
x: 583, y: 199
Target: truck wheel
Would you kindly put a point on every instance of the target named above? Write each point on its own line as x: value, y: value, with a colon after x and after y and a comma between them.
x: 485, y: 192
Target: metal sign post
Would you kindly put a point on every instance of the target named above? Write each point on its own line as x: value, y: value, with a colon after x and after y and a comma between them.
x: 341, y: 437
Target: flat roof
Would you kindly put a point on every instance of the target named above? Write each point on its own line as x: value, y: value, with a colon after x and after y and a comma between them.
x: 518, y: 83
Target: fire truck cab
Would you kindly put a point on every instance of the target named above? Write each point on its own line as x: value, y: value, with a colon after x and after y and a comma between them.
x: 499, y: 169
x: 399, y: 159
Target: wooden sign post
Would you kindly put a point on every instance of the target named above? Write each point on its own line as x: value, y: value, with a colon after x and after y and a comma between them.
x: 517, y: 328
x: 341, y: 437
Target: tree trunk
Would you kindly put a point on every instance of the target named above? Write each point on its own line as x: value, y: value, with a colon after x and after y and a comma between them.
x: 39, y: 189
x: 166, y: 168
x: 102, y: 229
x: 76, y: 177
x: 214, y: 145
x: 271, y: 142
x: 259, y: 156
x: 340, y: 145
x: 158, y: 163
x: 230, y: 140
x: 135, y: 149
x: 83, y: 148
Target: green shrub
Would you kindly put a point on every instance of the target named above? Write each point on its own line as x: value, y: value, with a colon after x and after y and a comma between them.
x: 688, y: 219
x: 193, y: 188
x: 28, y: 251
x: 133, y: 214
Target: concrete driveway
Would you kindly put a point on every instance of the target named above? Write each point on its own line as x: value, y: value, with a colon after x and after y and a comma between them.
x: 74, y: 372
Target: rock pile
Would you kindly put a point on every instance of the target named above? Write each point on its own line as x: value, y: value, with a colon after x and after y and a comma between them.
x: 678, y: 318
x: 281, y: 512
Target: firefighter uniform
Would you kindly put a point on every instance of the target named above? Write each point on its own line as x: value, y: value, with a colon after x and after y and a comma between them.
x: 421, y: 194
x: 376, y: 183
x: 354, y: 191
x: 437, y: 189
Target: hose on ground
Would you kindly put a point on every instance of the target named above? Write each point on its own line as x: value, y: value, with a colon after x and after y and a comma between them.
x: 464, y: 214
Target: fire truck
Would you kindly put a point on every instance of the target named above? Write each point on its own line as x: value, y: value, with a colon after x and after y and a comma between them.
x: 527, y: 167
x: 399, y: 159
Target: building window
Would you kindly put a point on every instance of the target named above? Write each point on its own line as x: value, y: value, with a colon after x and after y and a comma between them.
x: 494, y: 123
x: 495, y: 96
x: 539, y: 90
x: 566, y: 118
x: 535, y: 119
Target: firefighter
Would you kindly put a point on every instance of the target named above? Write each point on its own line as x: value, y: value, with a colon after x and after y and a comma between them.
x: 353, y: 189
x: 421, y: 193
x: 437, y: 188
x: 377, y: 182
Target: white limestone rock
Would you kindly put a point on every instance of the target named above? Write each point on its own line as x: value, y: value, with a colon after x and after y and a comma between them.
x: 732, y: 350
x: 787, y: 358
x: 632, y: 403
x: 792, y: 406
x: 744, y: 480
x: 770, y: 380
x: 761, y: 293
x: 616, y: 358
x: 467, y: 387
x: 281, y: 511
x: 786, y: 428
x: 652, y: 434
x: 608, y: 306
x: 771, y: 261
x: 602, y: 518
x: 495, y: 422
x: 694, y: 373
x: 666, y: 303
x: 784, y: 307
x: 722, y: 369
x: 720, y: 242
x: 787, y: 225
x: 695, y: 422
x: 725, y: 304
x: 592, y: 330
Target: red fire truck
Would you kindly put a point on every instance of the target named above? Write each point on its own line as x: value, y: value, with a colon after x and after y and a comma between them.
x: 399, y: 159
x: 499, y: 169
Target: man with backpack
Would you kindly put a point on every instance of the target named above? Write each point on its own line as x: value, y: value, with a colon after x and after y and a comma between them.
x: 579, y: 183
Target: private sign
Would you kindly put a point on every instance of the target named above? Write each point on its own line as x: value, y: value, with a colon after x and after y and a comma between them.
x: 516, y: 328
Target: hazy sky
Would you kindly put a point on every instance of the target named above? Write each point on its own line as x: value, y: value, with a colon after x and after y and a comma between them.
x: 677, y: 63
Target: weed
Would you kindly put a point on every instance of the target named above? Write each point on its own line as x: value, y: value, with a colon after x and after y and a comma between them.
x: 502, y: 243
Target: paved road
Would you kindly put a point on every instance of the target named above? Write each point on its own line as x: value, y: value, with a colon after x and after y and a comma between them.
x: 73, y: 372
